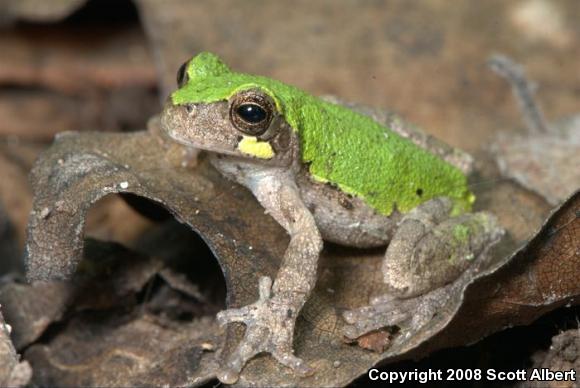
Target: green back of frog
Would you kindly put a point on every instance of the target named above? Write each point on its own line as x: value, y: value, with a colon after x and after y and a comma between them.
x: 340, y: 146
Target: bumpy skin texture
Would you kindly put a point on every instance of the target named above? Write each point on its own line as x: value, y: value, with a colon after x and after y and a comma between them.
x: 323, y: 171
x: 270, y: 320
x: 343, y: 147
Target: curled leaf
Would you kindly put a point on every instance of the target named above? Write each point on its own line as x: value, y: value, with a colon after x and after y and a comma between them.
x: 81, y: 168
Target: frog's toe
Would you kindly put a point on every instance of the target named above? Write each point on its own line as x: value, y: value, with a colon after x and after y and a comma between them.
x: 382, y: 299
x: 247, y: 314
x: 259, y: 339
x: 228, y: 376
x: 361, y: 325
x: 234, y: 315
x: 385, y: 311
x: 298, y: 365
x: 251, y: 344
x: 357, y: 315
x: 269, y: 329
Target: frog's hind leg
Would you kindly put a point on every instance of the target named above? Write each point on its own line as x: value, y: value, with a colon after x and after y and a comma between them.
x: 429, y: 251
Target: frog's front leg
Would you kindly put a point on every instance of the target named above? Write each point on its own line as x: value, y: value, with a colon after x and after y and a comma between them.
x: 270, y: 321
x: 427, y: 254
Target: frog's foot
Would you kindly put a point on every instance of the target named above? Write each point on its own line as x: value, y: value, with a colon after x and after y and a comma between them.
x: 429, y: 261
x: 269, y: 328
x: 386, y: 311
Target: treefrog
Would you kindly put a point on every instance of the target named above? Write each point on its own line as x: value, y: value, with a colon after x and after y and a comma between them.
x: 324, y: 171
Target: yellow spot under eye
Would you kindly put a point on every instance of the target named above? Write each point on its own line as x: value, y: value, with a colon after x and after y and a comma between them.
x: 252, y: 146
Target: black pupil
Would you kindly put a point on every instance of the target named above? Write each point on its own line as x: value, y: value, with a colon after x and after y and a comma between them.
x: 251, y: 113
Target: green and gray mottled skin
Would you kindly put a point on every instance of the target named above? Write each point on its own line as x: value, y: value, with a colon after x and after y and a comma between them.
x: 402, y: 192
x: 343, y: 147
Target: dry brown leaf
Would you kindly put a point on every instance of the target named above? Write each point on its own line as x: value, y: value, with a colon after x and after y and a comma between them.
x: 81, y: 168
x: 92, y: 331
x: 37, y: 10
x: 13, y: 373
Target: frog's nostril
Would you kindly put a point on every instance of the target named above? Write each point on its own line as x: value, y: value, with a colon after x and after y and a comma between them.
x: 189, y: 108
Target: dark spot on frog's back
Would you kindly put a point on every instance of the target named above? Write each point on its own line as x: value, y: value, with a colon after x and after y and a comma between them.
x: 419, y: 192
x: 345, y: 203
x: 331, y: 185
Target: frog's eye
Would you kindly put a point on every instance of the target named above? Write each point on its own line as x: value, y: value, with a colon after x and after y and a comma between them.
x: 182, y: 76
x: 251, y: 112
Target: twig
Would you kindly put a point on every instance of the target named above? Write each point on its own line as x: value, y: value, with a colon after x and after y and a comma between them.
x: 522, y: 90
